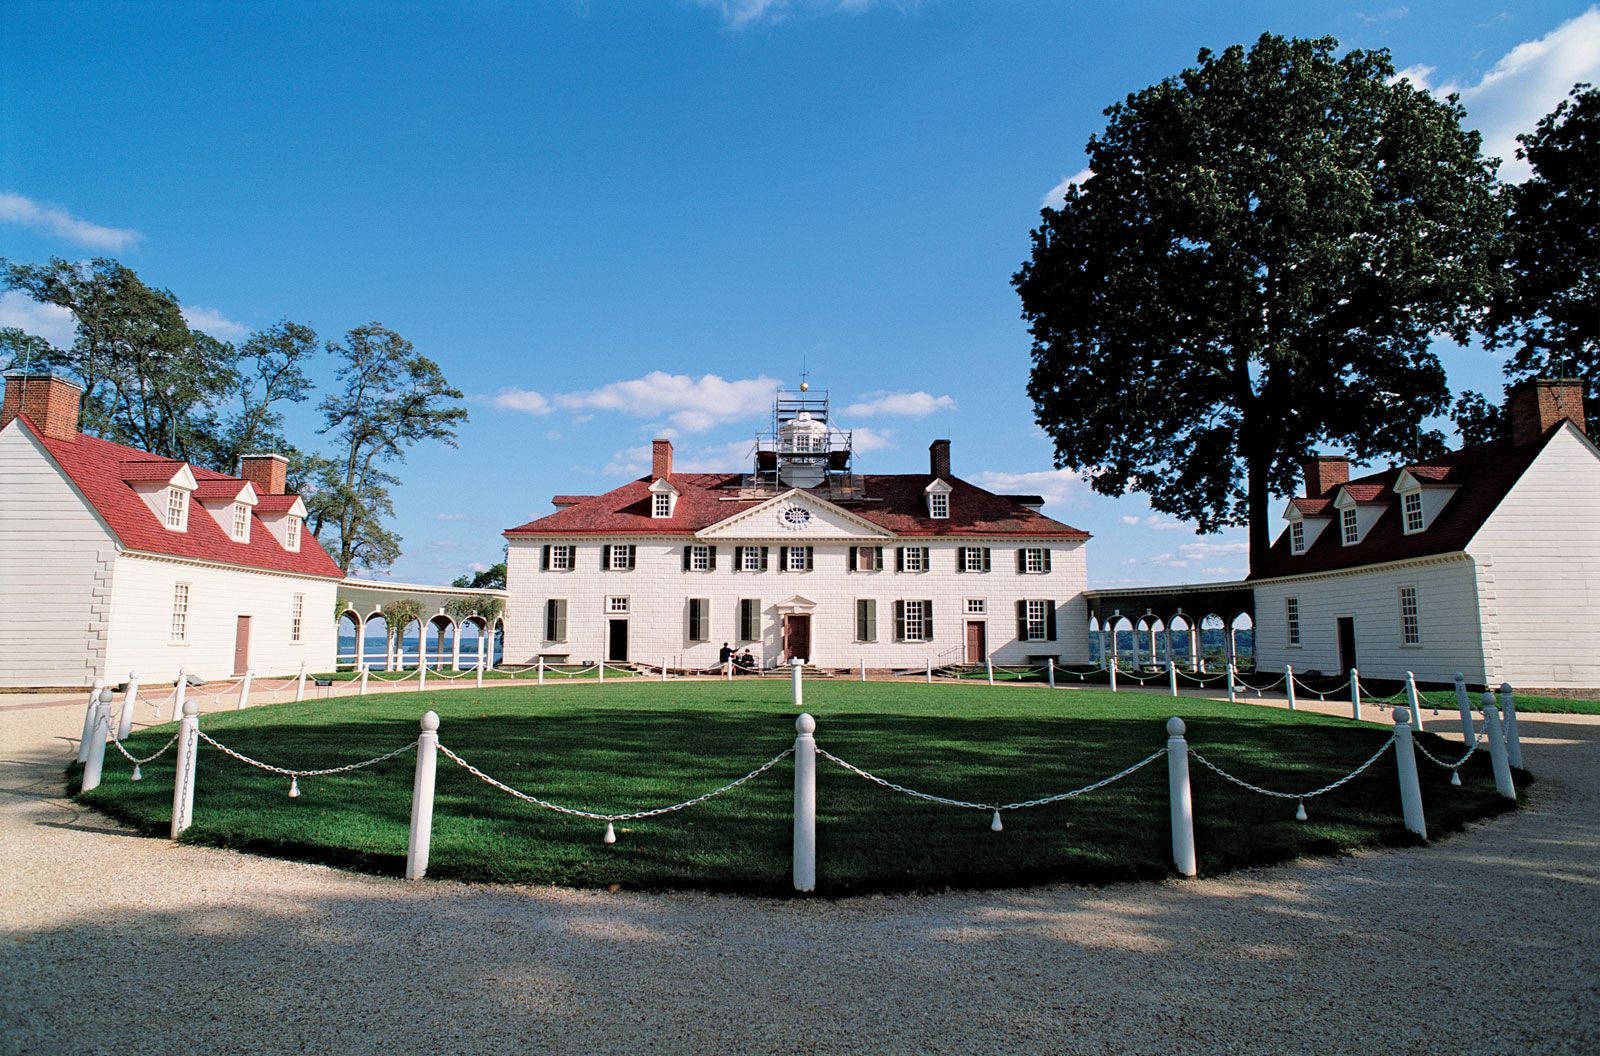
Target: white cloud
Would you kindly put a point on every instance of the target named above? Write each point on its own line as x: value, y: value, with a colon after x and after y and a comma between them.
x: 732, y: 457
x: 742, y: 14
x: 525, y: 400
x: 1524, y: 85
x: 50, y: 321
x: 1419, y: 74
x: 210, y: 321
x: 1058, y: 486
x: 865, y: 439
x: 692, y: 404
x: 55, y: 221
x: 1388, y: 14
x: 477, y: 566
x: 905, y: 404
x: 449, y: 516
x: 1157, y: 523
x: 1196, y: 553
x: 1053, y: 196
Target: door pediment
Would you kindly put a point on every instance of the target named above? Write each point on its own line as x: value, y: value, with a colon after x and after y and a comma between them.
x: 798, y: 516
x: 796, y: 604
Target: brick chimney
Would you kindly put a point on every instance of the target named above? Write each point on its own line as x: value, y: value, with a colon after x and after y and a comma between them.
x: 939, y: 459
x: 1324, y: 473
x: 50, y: 402
x: 1533, y: 407
x: 660, y: 459
x: 268, y: 472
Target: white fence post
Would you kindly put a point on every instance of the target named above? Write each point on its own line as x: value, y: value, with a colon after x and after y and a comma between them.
x: 98, y: 733
x: 1233, y: 690
x: 422, y: 798
x: 727, y: 671
x: 1497, y: 748
x: 1508, y: 709
x: 300, y: 684
x: 366, y: 672
x: 930, y: 671
x: 183, y: 779
x: 88, y: 719
x: 797, y: 689
x: 1113, y: 670
x: 422, y: 677
x: 1405, y: 759
x: 244, y: 690
x: 180, y: 694
x: 1465, y: 707
x: 541, y: 670
x: 130, y: 700
x: 1414, y: 702
x: 1172, y: 676
x: 988, y: 666
x: 663, y: 669
x: 805, y: 800
x: 477, y: 676
x: 600, y: 669
x: 863, y: 669
x: 1355, y: 694
x: 1288, y: 684
x: 1050, y: 668
x: 1182, y: 804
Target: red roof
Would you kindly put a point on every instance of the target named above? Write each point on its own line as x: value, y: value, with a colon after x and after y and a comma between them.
x: 1483, y: 475
x: 100, y: 471
x: 894, y: 502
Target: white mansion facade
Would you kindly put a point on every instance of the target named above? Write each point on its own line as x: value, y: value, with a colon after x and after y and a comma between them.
x: 800, y: 557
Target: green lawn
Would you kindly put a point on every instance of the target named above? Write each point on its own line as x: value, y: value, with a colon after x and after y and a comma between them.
x: 636, y: 746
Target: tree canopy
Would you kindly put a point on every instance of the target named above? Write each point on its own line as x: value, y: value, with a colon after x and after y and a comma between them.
x: 1267, y: 245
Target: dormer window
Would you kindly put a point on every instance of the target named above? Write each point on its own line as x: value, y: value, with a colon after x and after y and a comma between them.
x: 241, y: 522
x: 291, y: 535
x: 1411, y: 506
x: 662, y: 505
x: 177, y: 509
x: 663, y: 497
x: 938, y: 506
x: 1349, y: 527
x: 1297, y: 536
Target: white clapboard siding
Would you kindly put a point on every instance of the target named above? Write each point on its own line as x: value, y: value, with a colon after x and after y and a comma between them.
x: 1539, y: 583
x: 658, y: 590
x: 56, y: 564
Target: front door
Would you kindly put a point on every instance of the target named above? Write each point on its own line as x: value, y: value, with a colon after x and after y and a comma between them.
x: 617, y: 641
x: 241, y: 646
x: 796, y: 636
x: 1347, y: 643
x: 977, y: 646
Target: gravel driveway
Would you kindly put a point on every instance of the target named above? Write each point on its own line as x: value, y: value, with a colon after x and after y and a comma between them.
x: 1485, y: 942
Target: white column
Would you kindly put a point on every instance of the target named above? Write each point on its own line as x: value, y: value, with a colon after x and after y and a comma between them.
x: 1181, y: 803
x: 130, y: 700
x: 455, y: 647
x: 422, y: 798
x: 188, y: 747
x: 361, y: 642
x: 805, y: 800
x: 1405, y: 757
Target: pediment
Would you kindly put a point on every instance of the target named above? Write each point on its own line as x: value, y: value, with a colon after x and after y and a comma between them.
x: 797, y: 603
x: 798, y: 516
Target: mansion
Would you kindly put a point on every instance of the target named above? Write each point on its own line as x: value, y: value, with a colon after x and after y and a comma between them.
x: 799, y: 557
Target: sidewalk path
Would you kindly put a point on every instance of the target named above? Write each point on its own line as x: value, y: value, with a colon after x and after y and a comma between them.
x: 1488, y: 942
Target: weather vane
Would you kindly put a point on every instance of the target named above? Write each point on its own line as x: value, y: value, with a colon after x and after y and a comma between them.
x: 805, y: 384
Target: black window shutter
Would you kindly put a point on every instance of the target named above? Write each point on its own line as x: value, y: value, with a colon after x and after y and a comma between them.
x: 783, y: 559
x: 1022, y: 621
x: 810, y: 554
x: 899, y: 621
x: 927, y: 559
x: 738, y: 558
x: 711, y: 558
x: 986, y: 559
x: 544, y: 558
x: 899, y: 559
x: 877, y: 566
x: 1047, y: 559
x: 1022, y: 560
x: 927, y: 620
x: 688, y: 552
x: 550, y: 620
x: 763, y: 559
x: 605, y: 557
x: 1050, y: 621
x: 855, y: 559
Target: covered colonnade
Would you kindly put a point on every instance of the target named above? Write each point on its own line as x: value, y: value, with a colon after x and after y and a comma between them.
x: 395, y: 626
x: 1197, y: 626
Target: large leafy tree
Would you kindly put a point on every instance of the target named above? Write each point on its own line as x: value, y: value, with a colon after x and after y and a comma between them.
x: 390, y: 398
x: 1548, y: 314
x: 1268, y: 244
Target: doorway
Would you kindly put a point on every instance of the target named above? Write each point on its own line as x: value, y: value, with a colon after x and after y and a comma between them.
x: 977, y: 642
x: 1347, y: 644
x: 241, y: 646
x: 796, y: 636
x: 617, y: 641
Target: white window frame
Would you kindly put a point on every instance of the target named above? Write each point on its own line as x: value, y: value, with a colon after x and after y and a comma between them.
x: 1349, y: 526
x: 1037, y: 620
x: 914, y: 612
x: 911, y: 559
x: 617, y: 605
x: 177, y: 508
x: 661, y: 505
x: 297, y: 613
x: 796, y: 559
x: 699, y: 557
x: 1291, y: 621
x: 1033, y: 562
x: 939, y: 505
x: 561, y: 557
x: 977, y: 606
x: 1410, y: 622
x: 1412, y: 512
x: 866, y: 559
x: 291, y: 535
x: 972, y: 559
x: 241, y: 522
x: 180, y: 613
x: 621, y: 558
x: 750, y: 559
x: 1297, y: 537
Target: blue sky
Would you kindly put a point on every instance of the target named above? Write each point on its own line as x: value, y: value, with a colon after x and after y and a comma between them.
x: 611, y: 219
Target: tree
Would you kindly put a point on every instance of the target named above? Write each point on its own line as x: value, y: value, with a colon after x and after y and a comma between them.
x: 493, y: 577
x: 1266, y: 246
x: 391, y: 398
x: 1548, y: 314
x: 270, y: 372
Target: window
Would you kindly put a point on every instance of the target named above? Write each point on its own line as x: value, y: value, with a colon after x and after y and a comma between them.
x: 1033, y: 560
x: 750, y: 558
x: 1348, y: 525
x: 977, y: 606
x: 180, y: 612
x: 974, y: 559
x: 177, y: 508
x: 1297, y: 536
x: 699, y: 558
x: 291, y: 534
x: 297, y: 611
x: 661, y: 505
x: 1037, y: 618
x: 1291, y: 620
x: 916, y: 621
x: 555, y: 619
x: 1411, y: 501
x: 617, y: 606
x: 699, y: 619
x: 1410, y: 622
x: 913, y: 559
x: 558, y: 558
x: 749, y: 619
x: 939, y: 505
x: 617, y: 558
x: 797, y: 558
x: 866, y: 558
x: 866, y: 620
x: 241, y: 522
